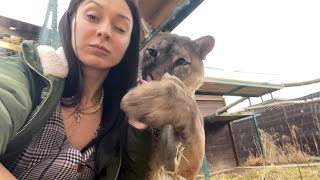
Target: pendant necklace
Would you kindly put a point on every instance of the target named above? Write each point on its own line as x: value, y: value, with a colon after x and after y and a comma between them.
x: 79, y: 112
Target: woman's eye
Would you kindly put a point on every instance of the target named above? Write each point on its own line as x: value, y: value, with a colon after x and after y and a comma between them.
x: 92, y: 17
x: 152, y: 52
x: 121, y: 30
x: 181, y: 62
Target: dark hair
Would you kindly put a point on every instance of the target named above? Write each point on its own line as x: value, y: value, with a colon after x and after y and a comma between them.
x: 120, y: 79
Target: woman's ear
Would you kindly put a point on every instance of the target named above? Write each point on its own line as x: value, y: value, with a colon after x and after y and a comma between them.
x: 205, y: 45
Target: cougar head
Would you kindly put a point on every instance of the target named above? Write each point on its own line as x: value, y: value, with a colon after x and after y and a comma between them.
x: 177, y: 55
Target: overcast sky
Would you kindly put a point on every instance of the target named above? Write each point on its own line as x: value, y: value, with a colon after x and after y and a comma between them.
x: 271, y: 41
x: 274, y: 37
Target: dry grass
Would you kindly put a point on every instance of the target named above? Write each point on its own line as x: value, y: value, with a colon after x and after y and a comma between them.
x: 280, y: 150
x: 273, y: 173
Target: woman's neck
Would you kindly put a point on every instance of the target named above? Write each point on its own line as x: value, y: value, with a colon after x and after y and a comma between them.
x: 92, y: 86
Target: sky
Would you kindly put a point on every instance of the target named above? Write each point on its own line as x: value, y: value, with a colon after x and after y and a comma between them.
x: 275, y: 41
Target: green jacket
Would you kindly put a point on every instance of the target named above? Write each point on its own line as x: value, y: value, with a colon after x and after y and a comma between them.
x: 30, y: 92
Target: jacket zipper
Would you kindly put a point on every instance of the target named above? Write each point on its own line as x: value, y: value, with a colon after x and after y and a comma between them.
x: 119, y: 164
x: 44, y: 101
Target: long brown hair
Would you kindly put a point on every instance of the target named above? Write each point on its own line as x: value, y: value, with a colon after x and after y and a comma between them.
x: 120, y: 79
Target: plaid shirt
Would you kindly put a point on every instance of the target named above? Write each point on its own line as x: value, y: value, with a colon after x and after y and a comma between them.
x: 51, y: 156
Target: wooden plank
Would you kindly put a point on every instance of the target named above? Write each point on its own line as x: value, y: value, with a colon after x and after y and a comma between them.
x: 156, y: 12
x: 209, y: 98
x: 233, y: 144
x: 10, y: 46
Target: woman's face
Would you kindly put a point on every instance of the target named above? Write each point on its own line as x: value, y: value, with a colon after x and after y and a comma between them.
x: 101, y: 32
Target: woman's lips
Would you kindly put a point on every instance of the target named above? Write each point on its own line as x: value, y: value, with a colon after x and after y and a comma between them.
x: 99, y: 49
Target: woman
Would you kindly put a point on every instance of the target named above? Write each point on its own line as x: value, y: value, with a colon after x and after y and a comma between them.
x: 61, y: 120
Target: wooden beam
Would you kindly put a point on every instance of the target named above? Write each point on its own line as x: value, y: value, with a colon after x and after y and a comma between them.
x: 10, y: 46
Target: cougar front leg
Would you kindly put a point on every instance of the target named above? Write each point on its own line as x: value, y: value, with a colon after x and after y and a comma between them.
x: 163, y: 153
x: 194, y: 148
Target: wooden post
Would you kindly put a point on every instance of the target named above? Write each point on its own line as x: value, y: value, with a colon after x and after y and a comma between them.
x: 233, y: 145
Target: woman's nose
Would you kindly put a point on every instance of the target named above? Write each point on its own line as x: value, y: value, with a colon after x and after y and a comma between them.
x: 104, y: 31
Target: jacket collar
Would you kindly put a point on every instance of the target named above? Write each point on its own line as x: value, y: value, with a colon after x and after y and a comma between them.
x: 45, y: 59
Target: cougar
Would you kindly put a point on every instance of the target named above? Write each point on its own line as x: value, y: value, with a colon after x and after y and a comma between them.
x: 173, y: 66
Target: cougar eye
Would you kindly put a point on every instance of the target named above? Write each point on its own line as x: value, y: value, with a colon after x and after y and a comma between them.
x: 152, y: 52
x: 181, y: 62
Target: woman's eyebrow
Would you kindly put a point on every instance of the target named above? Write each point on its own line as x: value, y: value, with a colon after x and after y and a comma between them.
x: 96, y: 3
x: 120, y: 16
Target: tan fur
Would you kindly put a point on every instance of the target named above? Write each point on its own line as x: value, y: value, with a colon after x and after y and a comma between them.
x: 167, y: 104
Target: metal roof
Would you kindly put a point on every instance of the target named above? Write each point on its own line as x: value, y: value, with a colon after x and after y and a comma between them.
x: 232, y: 87
x: 163, y: 15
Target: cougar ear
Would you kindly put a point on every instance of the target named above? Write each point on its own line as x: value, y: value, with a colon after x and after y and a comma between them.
x: 205, y: 45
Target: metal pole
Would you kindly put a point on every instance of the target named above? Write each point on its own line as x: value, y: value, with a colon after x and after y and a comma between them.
x: 271, y: 95
x: 205, y: 168
x: 257, y: 131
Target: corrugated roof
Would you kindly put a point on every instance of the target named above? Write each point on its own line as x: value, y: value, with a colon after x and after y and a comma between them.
x: 163, y: 15
x: 232, y: 87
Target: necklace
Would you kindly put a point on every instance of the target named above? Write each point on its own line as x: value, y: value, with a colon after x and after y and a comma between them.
x: 79, y: 112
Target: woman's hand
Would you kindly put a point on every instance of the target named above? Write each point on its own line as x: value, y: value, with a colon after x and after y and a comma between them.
x: 133, y: 121
x: 137, y: 124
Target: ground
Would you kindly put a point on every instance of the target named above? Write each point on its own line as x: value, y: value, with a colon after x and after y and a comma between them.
x: 281, y: 172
